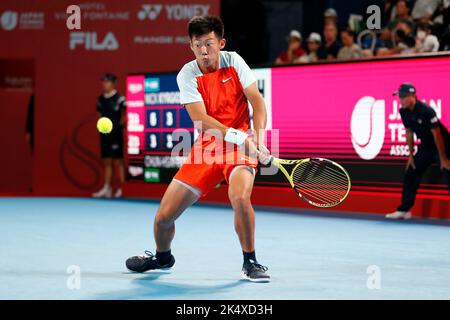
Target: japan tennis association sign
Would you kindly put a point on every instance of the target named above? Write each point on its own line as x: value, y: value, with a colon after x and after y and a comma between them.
x: 13, y: 20
x: 8, y: 20
x: 375, y: 124
x: 367, y: 127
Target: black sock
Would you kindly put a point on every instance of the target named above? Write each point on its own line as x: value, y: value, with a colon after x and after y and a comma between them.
x: 163, y: 257
x: 249, y: 256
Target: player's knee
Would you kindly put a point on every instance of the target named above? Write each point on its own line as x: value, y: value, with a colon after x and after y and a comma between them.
x: 240, y: 198
x: 163, y: 222
x: 164, y: 217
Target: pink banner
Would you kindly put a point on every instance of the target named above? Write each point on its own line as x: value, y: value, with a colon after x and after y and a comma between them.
x: 347, y: 111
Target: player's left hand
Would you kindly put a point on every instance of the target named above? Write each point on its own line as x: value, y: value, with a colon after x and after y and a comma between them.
x: 445, y: 164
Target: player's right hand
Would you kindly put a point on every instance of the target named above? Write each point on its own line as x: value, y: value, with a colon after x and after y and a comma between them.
x: 250, y: 147
x: 410, y: 163
x: 263, y: 154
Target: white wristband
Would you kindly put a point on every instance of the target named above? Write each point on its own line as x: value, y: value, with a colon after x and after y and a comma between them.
x: 235, y: 136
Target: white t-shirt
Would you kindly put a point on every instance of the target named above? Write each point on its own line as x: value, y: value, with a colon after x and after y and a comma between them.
x: 431, y: 43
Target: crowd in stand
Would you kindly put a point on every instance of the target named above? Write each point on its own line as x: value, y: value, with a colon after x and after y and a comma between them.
x: 408, y: 27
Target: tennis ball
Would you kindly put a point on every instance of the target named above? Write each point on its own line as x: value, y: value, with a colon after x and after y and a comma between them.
x: 104, y: 125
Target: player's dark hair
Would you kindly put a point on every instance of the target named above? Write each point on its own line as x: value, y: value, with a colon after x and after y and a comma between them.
x: 200, y: 25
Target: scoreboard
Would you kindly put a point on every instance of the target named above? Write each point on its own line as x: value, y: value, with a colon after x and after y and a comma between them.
x: 153, y: 113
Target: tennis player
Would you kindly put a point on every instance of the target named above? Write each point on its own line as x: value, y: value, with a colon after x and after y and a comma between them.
x: 215, y: 88
x: 420, y: 119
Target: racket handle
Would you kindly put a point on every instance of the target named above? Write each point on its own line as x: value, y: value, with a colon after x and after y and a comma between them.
x: 271, y: 158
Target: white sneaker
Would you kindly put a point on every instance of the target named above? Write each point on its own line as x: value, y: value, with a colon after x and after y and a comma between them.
x: 399, y: 215
x: 104, y: 192
x: 118, y: 193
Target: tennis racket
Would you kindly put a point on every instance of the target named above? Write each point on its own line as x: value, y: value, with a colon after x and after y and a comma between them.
x: 320, y: 182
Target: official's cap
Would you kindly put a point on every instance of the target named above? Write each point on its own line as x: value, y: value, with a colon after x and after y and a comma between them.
x: 405, y: 89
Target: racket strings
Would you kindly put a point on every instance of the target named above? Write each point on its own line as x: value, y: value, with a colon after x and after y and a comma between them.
x: 320, y: 182
x: 335, y: 178
x: 328, y: 178
x: 324, y: 195
x: 322, y: 186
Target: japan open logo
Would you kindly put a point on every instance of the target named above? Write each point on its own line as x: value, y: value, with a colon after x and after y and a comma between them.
x: 367, y: 127
x: 8, y: 20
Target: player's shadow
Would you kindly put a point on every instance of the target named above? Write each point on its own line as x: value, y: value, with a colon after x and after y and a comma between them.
x: 147, y: 287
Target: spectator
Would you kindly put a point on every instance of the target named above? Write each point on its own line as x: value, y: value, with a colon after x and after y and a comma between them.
x: 423, y: 10
x: 294, y: 50
x: 389, y: 11
x: 442, y: 14
x: 444, y: 20
x: 399, y: 12
x: 402, y: 14
x: 330, y: 49
x: 441, y: 23
x: 350, y: 49
x: 387, y: 42
x: 404, y: 41
x: 313, y: 44
x: 405, y: 26
x: 445, y: 41
x: 425, y: 41
x: 404, y: 38
x: 369, y: 43
x: 330, y: 16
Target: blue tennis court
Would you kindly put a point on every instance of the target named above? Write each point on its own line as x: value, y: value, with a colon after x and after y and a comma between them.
x: 310, y: 255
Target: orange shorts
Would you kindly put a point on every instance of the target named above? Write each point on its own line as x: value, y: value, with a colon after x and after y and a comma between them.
x: 204, y: 176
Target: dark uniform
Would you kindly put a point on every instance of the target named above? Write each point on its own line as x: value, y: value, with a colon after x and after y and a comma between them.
x: 111, y: 144
x: 421, y: 120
